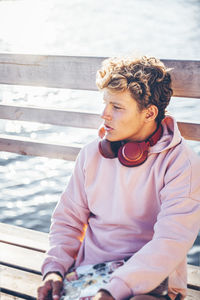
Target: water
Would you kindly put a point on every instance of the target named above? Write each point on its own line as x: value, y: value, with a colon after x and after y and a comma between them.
x: 31, y: 186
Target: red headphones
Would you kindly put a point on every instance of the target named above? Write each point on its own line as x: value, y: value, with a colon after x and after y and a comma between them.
x: 130, y: 154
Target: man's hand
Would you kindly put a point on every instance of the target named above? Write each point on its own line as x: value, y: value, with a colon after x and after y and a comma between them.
x: 51, y: 287
x: 103, y: 295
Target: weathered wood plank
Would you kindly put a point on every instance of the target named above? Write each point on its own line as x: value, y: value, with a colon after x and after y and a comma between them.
x: 193, y: 295
x: 50, y: 116
x: 50, y: 71
x: 79, y: 72
x: 185, y: 77
x: 193, y: 276
x: 31, y: 260
x: 4, y: 296
x: 26, y: 146
x: 13, y: 280
x: 190, y: 131
x: 19, y: 282
x: 23, y: 258
x: 28, y: 238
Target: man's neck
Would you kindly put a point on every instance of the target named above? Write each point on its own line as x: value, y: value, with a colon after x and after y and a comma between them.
x: 149, y: 129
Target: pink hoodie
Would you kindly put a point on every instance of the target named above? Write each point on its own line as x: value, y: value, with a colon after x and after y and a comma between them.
x: 150, y: 213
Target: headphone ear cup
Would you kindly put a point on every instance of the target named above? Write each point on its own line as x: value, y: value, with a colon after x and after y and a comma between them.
x: 109, y: 149
x: 133, y: 154
x: 106, y: 150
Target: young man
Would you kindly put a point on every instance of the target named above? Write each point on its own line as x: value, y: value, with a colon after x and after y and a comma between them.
x: 137, y: 189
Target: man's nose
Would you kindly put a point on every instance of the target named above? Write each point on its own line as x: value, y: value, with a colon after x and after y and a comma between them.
x: 106, y: 113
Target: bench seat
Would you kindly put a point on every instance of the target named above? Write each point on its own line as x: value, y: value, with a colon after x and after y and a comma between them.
x: 22, y: 252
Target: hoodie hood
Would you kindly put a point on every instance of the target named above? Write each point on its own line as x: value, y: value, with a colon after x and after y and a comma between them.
x: 170, y: 138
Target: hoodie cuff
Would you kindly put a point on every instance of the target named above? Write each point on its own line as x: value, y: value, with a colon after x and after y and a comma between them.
x: 52, y: 268
x: 118, y: 289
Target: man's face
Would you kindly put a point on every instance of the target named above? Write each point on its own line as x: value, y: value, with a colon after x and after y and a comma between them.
x: 122, y: 118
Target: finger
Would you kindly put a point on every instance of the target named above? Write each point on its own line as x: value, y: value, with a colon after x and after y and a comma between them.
x: 39, y: 293
x: 43, y: 291
x: 56, y: 289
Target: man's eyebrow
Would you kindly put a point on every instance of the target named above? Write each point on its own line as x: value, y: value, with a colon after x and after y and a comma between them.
x: 113, y: 102
x: 116, y: 103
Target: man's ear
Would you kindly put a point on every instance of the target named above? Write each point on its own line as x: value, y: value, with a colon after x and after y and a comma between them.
x: 151, y: 113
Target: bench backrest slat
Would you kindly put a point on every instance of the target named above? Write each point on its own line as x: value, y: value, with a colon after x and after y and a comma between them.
x: 78, y: 72
x: 78, y: 119
x: 26, y: 146
x: 190, y: 131
x: 50, y: 116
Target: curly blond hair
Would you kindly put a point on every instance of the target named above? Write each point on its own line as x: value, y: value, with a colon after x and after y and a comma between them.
x: 147, y: 79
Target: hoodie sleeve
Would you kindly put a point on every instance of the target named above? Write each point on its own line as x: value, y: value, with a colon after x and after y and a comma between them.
x: 68, y: 225
x: 175, y: 230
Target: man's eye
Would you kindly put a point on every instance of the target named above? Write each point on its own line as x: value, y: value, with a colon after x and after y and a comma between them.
x: 117, y: 107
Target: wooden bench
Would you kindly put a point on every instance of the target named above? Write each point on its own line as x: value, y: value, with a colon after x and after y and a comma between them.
x: 22, y: 250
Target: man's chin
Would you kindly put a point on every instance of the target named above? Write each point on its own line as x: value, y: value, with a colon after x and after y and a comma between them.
x: 112, y: 139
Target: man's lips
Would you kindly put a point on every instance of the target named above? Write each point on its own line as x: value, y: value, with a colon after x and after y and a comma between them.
x: 108, y: 128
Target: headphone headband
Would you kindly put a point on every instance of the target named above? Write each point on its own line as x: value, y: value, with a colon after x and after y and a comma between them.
x: 154, y: 138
